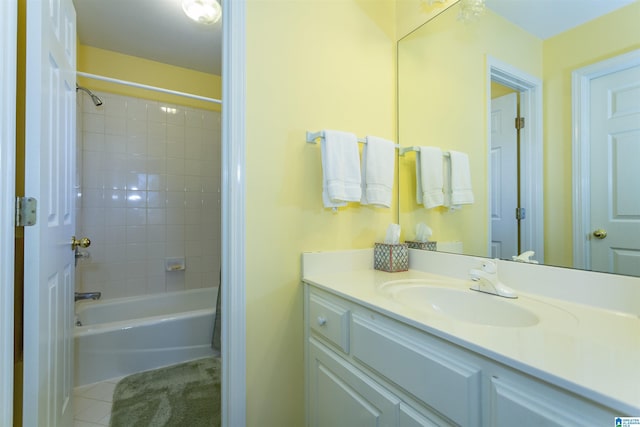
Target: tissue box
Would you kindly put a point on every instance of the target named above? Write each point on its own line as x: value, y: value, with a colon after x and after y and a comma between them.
x: 391, y: 258
x: 425, y: 246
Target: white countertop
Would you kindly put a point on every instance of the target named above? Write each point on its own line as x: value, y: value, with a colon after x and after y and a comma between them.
x: 587, y: 350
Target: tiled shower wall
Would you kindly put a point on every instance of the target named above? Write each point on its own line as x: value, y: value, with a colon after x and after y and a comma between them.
x: 149, y: 190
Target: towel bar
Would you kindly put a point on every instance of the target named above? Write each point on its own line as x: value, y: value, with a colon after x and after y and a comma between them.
x: 404, y: 150
x: 312, y: 136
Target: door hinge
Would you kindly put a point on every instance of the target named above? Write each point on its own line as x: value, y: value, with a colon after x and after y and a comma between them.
x: 519, y: 123
x: 521, y: 213
x: 26, y: 211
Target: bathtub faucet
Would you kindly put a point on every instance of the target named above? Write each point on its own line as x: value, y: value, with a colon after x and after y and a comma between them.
x: 87, y: 295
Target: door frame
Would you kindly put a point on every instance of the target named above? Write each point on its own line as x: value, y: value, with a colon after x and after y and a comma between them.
x: 531, y: 170
x: 580, y: 111
x: 8, y: 47
x: 233, y: 215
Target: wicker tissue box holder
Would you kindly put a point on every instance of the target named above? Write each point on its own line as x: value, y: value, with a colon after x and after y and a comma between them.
x: 391, y: 258
x: 425, y: 246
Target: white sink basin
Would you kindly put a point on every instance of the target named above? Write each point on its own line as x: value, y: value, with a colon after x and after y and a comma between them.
x: 461, y: 304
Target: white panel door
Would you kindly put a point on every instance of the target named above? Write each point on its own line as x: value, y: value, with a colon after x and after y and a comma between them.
x: 49, y: 170
x: 615, y: 176
x: 504, y: 177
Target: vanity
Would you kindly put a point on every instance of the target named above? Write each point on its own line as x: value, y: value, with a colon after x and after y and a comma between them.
x: 419, y: 348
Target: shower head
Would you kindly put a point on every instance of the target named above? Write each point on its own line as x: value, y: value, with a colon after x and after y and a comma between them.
x: 96, y: 101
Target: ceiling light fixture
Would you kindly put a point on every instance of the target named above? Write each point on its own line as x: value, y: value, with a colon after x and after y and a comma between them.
x: 202, y: 11
x: 470, y: 10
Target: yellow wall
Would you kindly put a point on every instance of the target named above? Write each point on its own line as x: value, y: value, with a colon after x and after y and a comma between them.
x: 411, y: 14
x: 442, y: 97
x: 326, y: 64
x: 498, y: 90
x: 130, y: 68
x: 606, y: 37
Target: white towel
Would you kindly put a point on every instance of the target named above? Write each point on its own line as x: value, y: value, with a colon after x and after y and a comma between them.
x: 460, y: 189
x: 378, y: 167
x: 429, y: 178
x: 341, y: 169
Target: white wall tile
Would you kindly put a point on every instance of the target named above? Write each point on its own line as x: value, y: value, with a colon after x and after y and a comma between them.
x: 193, y: 118
x: 115, y: 180
x: 157, y: 250
x: 175, y: 183
x: 115, y: 216
x: 156, y: 165
x: 143, y: 187
x: 115, y: 198
x: 155, y: 113
x: 156, y: 216
x: 194, y: 167
x: 175, y: 166
x: 176, y: 118
x: 175, y: 133
x: 176, y: 216
x: 156, y: 233
x: 116, y: 126
x: 175, y: 199
x: 156, y: 199
x: 175, y: 281
x: 136, y: 216
x: 93, y: 123
x: 136, y: 109
x: 115, y: 144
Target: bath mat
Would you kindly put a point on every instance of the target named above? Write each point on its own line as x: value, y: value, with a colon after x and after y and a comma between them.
x: 187, y: 394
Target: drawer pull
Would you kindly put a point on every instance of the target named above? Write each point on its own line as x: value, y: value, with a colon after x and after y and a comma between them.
x: 322, y: 321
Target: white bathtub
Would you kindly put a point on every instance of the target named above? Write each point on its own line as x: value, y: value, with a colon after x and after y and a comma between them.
x: 127, y: 335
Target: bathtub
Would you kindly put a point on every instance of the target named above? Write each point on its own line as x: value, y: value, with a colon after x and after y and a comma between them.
x: 123, y: 336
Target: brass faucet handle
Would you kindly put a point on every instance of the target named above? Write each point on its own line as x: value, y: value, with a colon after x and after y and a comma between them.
x: 84, y: 242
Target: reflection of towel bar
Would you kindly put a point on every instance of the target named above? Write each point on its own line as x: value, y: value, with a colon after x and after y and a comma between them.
x: 404, y: 150
x: 312, y: 136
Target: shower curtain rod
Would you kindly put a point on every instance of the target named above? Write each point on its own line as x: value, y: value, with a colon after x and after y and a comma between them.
x: 143, y: 86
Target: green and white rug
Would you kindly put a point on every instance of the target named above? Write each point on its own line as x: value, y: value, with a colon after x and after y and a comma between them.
x: 181, y: 395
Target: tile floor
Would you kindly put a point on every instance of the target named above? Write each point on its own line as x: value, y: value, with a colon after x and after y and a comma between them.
x: 92, y: 403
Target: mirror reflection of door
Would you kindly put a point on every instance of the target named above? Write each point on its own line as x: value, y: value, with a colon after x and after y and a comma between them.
x: 504, y: 155
x: 614, y: 129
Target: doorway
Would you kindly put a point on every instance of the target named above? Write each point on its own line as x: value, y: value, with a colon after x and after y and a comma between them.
x: 504, y: 176
x: 529, y: 173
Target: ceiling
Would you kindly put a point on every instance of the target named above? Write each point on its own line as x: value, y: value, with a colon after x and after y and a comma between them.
x: 153, y: 29
x: 158, y: 29
x: 547, y: 18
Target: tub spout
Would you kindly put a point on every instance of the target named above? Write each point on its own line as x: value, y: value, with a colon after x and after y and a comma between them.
x: 87, y: 295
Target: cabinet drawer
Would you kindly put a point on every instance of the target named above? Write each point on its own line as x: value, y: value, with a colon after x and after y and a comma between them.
x: 329, y: 320
x: 432, y: 375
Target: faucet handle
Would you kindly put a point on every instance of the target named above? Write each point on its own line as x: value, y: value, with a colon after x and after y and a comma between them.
x: 489, y: 266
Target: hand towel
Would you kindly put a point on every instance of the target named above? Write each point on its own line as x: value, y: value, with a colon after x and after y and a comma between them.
x: 460, y: 190
x: 378, y: 167
x: 429, y: 181
x: 341, y: 169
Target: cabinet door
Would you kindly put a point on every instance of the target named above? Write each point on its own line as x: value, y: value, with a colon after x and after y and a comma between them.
x: 409, y: 417
x: 517, y: 401
x: 342, y: 396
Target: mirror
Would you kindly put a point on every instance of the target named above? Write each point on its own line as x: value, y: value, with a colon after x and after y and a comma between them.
x: 449, y: 75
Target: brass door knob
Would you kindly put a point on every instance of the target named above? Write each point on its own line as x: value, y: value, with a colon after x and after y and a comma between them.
x: 600, y: 233
x: 82, y: 243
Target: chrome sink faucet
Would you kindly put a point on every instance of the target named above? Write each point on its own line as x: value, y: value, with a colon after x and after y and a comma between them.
x: 486, y: 280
